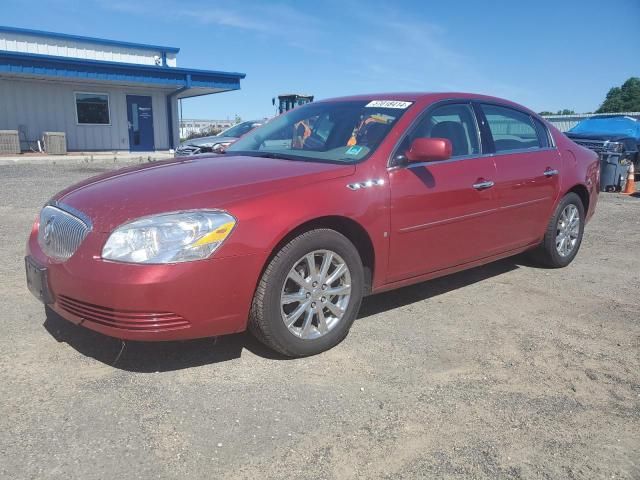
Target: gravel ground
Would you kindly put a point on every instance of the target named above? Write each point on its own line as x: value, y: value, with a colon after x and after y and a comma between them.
x: 504, y: 371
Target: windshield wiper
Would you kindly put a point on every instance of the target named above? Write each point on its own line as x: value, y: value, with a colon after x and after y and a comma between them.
x: 277, y: 156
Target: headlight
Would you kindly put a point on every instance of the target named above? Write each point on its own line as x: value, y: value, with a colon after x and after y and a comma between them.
x: 219, y: 147
x: 169, y: 237
x: 615, y: 147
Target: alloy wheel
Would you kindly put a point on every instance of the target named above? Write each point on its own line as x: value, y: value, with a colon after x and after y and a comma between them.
x: 315, y: 294
x: 568, y: 230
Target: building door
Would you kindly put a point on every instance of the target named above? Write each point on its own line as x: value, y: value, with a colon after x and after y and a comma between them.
x: 140, y: 117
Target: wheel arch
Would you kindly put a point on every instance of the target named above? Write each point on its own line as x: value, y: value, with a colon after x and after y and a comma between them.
x: 346, y: 226
x: 583, y: 193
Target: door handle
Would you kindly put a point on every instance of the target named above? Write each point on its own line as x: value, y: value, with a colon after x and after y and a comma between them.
x: 550, y: 172
x: 483, y: 185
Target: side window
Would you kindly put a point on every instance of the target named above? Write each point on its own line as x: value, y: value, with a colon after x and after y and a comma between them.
x: 454, y: 122
x: 543, y: 133
x: 510, y: 129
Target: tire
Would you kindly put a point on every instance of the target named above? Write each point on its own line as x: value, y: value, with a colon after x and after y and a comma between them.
x: 269, y: 311
x: 549, y: 252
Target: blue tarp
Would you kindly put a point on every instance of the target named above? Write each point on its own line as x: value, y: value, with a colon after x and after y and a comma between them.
x: 609, y: 125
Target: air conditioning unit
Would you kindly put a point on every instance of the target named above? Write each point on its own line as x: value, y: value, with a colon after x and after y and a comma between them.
x: 55, y: 143
x: 9, y: 141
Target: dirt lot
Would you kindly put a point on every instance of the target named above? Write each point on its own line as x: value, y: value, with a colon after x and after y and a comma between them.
x: 505, y: 371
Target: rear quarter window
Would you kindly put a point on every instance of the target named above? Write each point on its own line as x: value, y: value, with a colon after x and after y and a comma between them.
x: 543, y: 133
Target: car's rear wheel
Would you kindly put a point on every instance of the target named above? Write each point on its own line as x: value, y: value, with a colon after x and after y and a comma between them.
x: 309, y: 294
x: 563, y: 236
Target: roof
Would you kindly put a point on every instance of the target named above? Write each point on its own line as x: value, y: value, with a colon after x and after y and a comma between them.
x: 404, y: 96
x: 79, y: 38
x: 29, y: 64
x: 423, y: 96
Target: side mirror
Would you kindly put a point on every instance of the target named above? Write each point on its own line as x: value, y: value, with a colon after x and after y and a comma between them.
x: 429, y: 150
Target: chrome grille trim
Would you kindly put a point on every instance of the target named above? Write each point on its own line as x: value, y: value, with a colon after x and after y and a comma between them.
x: 122, y: 319
x: 595, y: 145
x: 187, y: 151
x: 62, y: 230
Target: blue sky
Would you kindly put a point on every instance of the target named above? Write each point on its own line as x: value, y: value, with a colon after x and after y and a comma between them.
x: 545, y: 54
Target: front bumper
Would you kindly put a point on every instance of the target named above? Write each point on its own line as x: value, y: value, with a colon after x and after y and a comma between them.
x: 150, y: 302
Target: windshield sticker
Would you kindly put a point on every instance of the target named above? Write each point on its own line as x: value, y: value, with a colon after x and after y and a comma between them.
x: 354, y: 150
x: 388, y: 104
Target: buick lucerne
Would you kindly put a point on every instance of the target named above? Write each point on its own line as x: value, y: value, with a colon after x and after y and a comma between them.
x: 287, y: 231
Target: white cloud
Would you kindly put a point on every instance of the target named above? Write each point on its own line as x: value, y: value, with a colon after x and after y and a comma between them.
x: 269, y: 19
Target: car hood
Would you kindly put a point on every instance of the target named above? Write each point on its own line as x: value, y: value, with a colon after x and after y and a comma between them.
x: 214, y: 181
x: 596, y: 136
x: 198, y: 142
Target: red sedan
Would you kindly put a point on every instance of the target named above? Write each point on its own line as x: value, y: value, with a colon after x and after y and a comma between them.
x: 289, y: 229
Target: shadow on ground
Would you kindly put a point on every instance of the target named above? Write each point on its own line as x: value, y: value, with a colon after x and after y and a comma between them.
x: 146, y: 357
x: 426, y: 290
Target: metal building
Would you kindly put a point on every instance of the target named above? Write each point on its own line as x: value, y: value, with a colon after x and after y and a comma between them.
x: 103, y: 94
x: 192, y: 125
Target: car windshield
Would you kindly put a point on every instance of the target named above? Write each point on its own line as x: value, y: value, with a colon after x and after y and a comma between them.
x: 344, y: 132
x: 238, y: 130
x: 612, y: 125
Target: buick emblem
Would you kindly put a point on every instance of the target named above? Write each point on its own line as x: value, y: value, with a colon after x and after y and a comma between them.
x: 48, y: 229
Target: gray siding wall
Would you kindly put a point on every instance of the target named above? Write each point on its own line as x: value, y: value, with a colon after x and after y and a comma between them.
x: 49, y: 106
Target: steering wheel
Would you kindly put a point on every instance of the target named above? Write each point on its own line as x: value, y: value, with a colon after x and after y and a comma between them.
x: 314, y: 142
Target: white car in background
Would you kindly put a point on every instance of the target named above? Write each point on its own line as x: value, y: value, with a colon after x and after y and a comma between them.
x: 216, y: 143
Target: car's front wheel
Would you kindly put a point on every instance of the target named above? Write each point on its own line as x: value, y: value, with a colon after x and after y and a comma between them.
x: 309, y: 294
x: 563, y: 236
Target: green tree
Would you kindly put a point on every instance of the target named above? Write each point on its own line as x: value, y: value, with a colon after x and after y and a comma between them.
x: 622, y: 99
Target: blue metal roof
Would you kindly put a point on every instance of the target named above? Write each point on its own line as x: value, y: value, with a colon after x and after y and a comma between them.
x: 99, y: 41
x: 18, y: 63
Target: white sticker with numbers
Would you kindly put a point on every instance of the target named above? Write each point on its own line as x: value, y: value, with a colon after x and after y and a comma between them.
x: 388, y: 104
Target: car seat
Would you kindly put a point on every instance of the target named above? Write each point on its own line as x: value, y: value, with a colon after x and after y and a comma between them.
x: 455, y: 133
x: 371, y: 134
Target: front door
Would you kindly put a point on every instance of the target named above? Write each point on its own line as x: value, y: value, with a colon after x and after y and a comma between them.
x: 140, y: 117
x: 442, y: 213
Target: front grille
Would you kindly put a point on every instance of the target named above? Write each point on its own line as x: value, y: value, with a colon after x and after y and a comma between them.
x: 188, y: 151
x: 595, y: 145
x: 122, y: 319
x: 60, y: 232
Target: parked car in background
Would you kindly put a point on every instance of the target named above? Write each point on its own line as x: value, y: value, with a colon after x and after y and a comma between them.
x: 284, y: 237
x: 216, y: 143
x: 616, y: 138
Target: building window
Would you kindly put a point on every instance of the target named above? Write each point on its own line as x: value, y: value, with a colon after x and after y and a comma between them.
x: 92, y: 108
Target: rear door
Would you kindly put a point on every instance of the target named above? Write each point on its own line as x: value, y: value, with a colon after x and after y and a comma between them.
x: 527, y: 173
x: 442, y: 213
